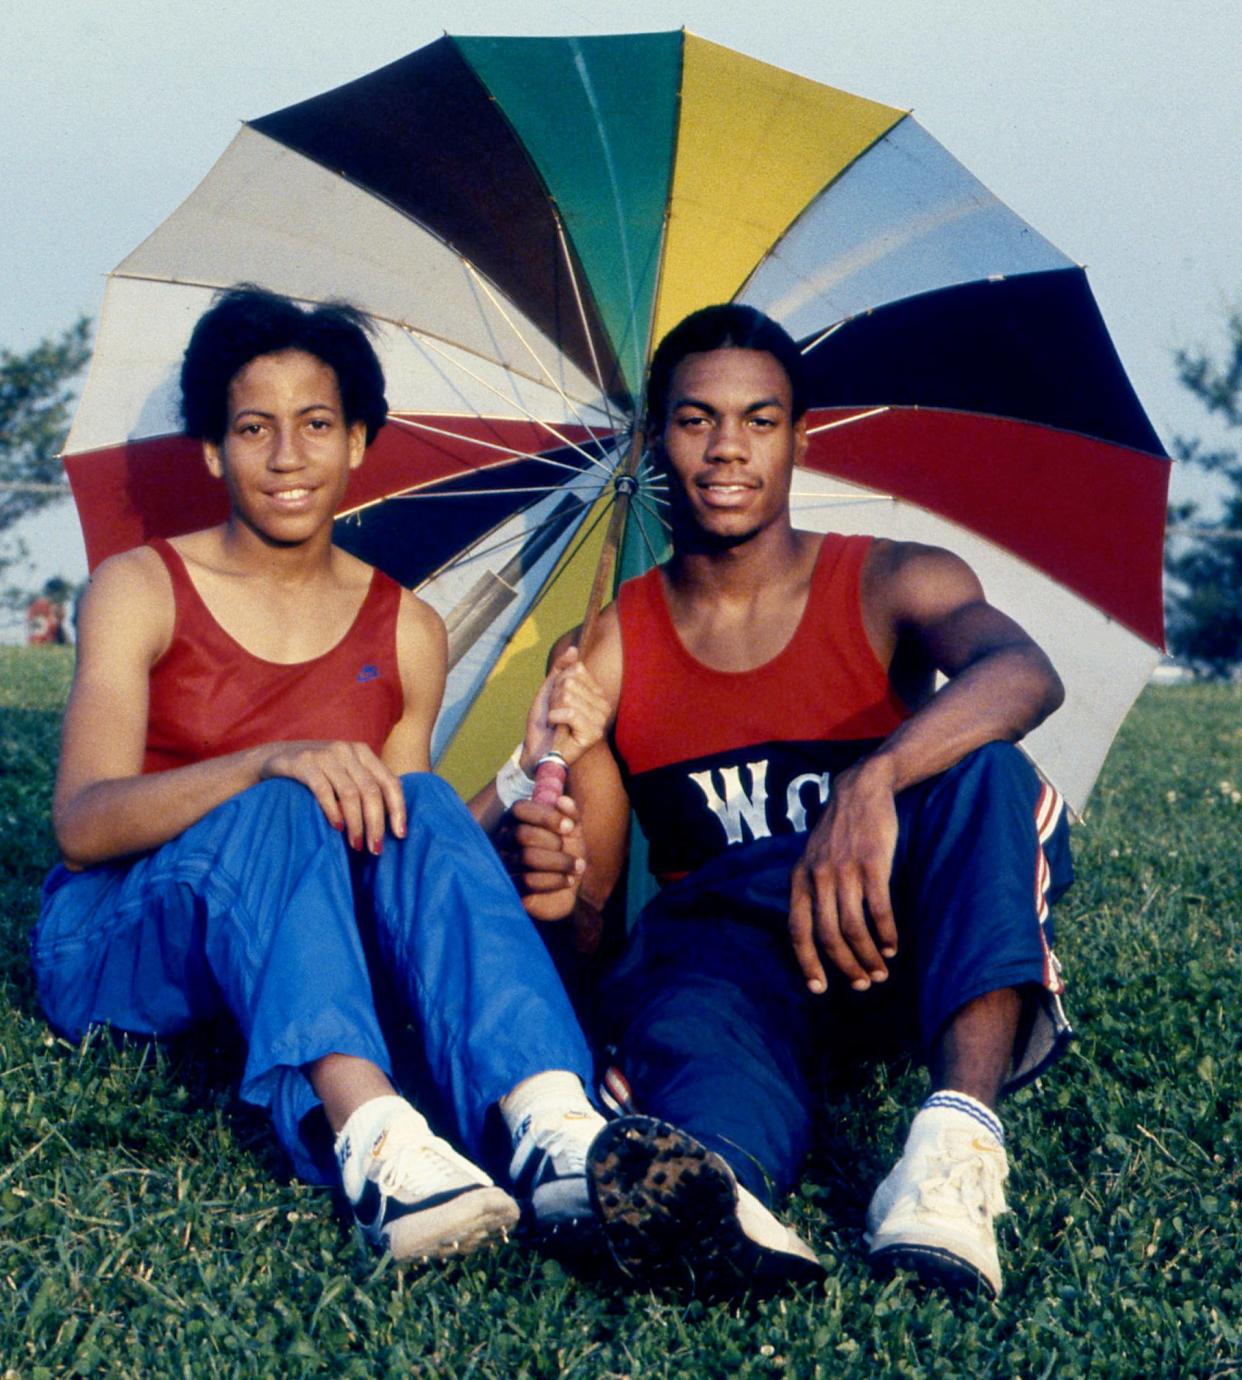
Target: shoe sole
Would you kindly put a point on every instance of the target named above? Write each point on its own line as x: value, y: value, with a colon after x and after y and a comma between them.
x: 457, y: 1227
x: 934, y: 1265
x: 668, y: 1208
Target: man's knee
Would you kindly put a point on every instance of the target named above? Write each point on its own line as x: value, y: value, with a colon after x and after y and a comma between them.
x: 998, y: 759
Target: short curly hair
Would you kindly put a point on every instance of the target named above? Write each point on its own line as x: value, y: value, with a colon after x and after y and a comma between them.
x: 247, y: 321
x: 729, y: 325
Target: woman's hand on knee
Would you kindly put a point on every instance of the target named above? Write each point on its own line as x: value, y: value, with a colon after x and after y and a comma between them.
x: 358, y: 794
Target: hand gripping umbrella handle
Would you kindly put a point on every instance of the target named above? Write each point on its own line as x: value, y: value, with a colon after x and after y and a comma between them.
x: 549, y: 778
x: 550, y: 771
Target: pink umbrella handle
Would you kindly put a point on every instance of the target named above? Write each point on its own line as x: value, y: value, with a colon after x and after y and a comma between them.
x: 549, y: 779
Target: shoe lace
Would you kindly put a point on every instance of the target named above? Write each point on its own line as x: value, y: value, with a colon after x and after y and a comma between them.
x: 965, y: 1177
x: 566, y: 1145
x: 403, y: 1163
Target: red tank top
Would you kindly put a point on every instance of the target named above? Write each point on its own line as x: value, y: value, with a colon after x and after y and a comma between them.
x: 210, y: 696
x: 717, y: 758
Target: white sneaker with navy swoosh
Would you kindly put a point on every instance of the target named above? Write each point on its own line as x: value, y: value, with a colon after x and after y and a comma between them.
x: 548, y: 1169
x: 413, y: 1194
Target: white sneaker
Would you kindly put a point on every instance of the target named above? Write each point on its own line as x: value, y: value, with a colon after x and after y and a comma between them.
x: 933, y: 1213
x: 548, y: 1169
x: 414, y: 1195
x: 673, y: 1214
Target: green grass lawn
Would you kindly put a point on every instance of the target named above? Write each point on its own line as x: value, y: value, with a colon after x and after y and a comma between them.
x: 148, y: 1228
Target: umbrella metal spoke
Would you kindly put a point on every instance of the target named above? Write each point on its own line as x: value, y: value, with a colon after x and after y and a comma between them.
x: 847, y: 421
x: 601, y: 131
x: 477, y: 550
x: 586, y: 326
x: 515, y: 403
x: 507, y: 451
x: 815, y: 496
x: 821, y: 337
x: 427, y: 494
x: 567, y: 559
x: 571, y: 403
x: 642, y: 531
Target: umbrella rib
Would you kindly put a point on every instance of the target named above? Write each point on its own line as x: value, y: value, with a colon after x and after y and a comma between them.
x: 475, y: 493
x: 508, y: 451
x: 652, y: 483
x: 642, y: 531
x: 200, y: 282
x: 848, y: 421
x: 479, y: 551
x: 530, y: 349
x: 812, y: 496
x: 582, y: 317
x: 821, y: 337
x: 610, y: 168
x: 513, y: 402
x: 565, y: 561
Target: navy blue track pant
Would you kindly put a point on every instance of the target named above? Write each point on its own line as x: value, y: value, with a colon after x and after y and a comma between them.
x: 714, y: 1027
x: 262, y: 910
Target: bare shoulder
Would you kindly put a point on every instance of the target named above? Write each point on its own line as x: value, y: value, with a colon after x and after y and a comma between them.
x: 909, y: 581
x: 130, y: 595
x: 422, y: 642
x: 421, y: 619
x: 134, y: 572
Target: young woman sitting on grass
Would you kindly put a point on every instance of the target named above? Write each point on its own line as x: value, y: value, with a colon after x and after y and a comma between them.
x: 248, y: 821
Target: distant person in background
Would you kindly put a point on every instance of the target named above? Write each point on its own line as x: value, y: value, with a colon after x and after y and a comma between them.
x: 46, y: 618
x: 248, y: 821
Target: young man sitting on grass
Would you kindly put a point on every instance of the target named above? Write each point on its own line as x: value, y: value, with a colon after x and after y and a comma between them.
x: 830, y: 830
x: 248, y: 821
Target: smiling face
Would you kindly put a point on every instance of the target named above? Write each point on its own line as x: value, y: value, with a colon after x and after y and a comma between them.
x: 731, y: 443
x: 287, y: 451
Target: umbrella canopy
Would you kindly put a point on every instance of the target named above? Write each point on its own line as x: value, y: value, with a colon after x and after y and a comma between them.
x: 523, y: 219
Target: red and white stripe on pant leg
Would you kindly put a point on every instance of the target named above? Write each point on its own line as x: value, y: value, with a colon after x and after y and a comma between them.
x: 1048, y: 810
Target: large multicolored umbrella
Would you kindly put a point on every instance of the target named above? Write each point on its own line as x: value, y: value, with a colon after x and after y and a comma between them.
x: 523, y: 218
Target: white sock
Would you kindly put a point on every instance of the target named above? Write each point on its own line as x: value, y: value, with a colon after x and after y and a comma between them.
x: 952, y: 1107
x: 365, y: 1123
x: 544, y: 1094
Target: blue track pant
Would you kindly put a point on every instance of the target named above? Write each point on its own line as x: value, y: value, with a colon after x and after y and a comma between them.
x: 260, y: 909
x: 710, y: 1015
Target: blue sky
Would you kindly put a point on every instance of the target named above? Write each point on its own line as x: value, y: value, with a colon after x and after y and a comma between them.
x: 1113, y: 126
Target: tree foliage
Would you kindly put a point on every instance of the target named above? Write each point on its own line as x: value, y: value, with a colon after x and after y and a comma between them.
x: 1205, y: 605
x: 36, y: 393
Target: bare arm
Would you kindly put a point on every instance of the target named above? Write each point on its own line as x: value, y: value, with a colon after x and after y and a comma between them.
x: 570, y: 856
x: 422, y: 655
x: 928, y: 603
x: 1001, y: 684
x: 568, y: 699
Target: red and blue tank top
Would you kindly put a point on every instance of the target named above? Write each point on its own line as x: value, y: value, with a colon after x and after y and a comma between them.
x: 210, y: 696
x: 713, y: 758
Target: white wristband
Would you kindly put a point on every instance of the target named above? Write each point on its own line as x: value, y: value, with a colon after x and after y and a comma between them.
x: 512, y: 783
